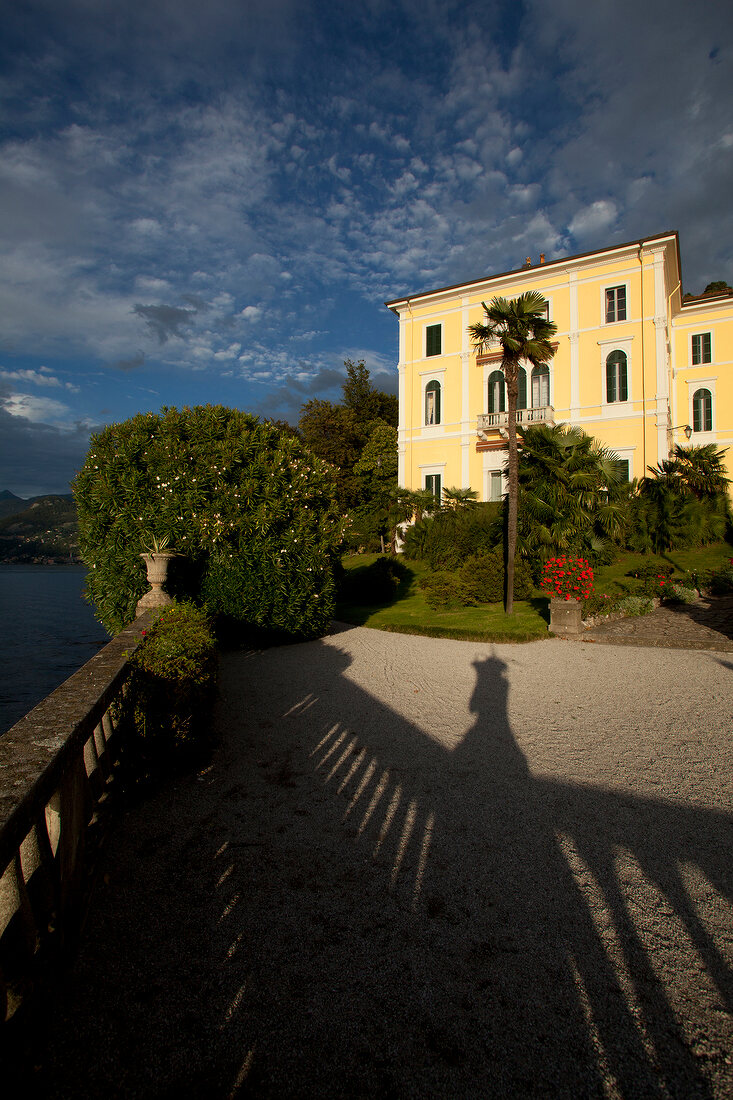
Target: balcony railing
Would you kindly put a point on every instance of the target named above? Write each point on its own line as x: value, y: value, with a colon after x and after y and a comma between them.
x: 544, y: 414
x: 56, y: 767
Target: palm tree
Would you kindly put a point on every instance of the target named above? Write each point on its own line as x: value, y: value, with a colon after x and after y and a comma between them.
x: 521, y: 327
x: 567, y: 488
x: 459, y: 498
x: 701, y: 469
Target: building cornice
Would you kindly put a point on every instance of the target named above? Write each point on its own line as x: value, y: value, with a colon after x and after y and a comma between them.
x: 578, y: 259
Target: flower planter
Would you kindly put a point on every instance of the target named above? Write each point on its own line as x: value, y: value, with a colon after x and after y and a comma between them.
x: 566, y: 618
x: 157, y: 567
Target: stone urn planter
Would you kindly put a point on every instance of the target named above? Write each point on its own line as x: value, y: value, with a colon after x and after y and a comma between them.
x: 566, y: 618
x: 157, y: 567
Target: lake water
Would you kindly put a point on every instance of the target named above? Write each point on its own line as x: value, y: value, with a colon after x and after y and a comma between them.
x: 47, y: 632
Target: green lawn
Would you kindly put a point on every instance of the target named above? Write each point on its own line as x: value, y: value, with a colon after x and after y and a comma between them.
x: 612, y: 578
x: 409, y: 613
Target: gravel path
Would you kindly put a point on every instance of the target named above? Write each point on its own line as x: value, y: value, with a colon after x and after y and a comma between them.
x: 421, y: 868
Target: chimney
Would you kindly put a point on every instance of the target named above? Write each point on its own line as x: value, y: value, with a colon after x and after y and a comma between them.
x: 528, y: 262
x: 542, y: 257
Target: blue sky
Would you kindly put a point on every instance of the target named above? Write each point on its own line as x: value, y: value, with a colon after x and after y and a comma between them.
x: 211, y: 203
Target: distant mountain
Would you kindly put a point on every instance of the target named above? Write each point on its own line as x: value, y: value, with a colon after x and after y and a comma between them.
x: 10, y: 503
x: 39, y: 529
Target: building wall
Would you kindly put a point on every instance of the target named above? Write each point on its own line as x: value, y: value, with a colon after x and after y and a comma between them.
x: 655, y: 335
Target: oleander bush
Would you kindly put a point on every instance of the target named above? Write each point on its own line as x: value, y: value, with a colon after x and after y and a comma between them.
x: 251, y: 512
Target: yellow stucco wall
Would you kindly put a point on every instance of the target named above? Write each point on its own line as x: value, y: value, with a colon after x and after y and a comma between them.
x: 655, y: 336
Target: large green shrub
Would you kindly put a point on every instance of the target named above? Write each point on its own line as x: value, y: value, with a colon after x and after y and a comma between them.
x: 249, y: 509
x: 482, y: 578
x: 447, y: 538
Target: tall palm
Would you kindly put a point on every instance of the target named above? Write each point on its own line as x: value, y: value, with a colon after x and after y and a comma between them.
x: 521, y: 327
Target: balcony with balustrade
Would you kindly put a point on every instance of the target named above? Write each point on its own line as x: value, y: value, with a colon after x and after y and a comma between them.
x: 496, y: 422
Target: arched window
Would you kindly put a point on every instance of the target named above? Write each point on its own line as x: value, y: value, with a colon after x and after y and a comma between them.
x: 497, y: 399
x: 540, y: 386
x: 702, y: 411
x: 432, y: 403
x: 522, y: 382
x: 616, y: 377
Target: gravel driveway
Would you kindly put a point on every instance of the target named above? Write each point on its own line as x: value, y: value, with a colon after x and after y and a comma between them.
x: 423, y: 868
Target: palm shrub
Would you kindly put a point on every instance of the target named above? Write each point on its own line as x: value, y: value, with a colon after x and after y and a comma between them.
x: 568, y: 487
x: 251, y: 512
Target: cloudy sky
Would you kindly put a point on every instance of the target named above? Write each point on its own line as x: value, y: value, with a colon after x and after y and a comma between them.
x: 211, y: 202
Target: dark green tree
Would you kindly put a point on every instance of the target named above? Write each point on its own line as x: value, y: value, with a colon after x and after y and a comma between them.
x: 521, y: 328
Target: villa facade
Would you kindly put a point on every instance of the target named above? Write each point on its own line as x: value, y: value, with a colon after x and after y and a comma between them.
x: 635, y: 366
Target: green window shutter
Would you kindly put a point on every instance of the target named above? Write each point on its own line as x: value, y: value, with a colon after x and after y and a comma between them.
x: 522, y: 398
x: 433, y: 341
x: 497, y: 400
x: 621, y: 304
x: 701, y: 348
x: 623, y: 389
x: 610, y: 380
x: 617, y: 388
x: 702, y: 411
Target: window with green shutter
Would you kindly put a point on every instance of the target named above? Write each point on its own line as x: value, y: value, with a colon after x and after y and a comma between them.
x: 522, y: 386
x: 615, y: 303
x: 702, y: 411
x: 701, y: 348
x: 432, y: 484
x: 616, y: 377
x: 497, y: 399
x: 433, y: 342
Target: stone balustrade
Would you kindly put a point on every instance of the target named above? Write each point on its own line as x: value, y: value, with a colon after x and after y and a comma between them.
x: 55, y: 774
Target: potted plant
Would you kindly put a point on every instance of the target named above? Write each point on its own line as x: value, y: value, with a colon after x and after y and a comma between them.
x: 157, y: 558
x: 568, y: 582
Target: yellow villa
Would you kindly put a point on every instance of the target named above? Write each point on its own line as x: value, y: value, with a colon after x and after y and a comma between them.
x: 635, y: 366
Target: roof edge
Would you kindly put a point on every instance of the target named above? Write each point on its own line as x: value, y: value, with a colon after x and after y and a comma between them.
x: 671, y: 234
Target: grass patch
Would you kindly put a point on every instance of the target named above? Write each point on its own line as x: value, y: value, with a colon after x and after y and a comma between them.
x: 613, y: 578
x: 409, y: 613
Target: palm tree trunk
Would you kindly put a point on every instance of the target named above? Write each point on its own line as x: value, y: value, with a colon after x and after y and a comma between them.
x: 513, y: 486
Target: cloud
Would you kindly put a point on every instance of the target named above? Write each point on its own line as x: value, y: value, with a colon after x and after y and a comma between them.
x: 36, y: 409
x: 132, y: 363
x: 40, y: 377
x: 164, y: 321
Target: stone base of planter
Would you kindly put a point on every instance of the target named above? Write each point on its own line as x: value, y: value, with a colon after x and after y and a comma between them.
x: 566, y: 618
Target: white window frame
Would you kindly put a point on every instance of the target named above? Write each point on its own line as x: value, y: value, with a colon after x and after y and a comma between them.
x: 543, y: 369
x: 703, y: 362
x: 432, y: 470
x: 699, y: 438
x: 614, y: 286
x: 432, y: 324
x: 432, y: 376
x: 616, y: 408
